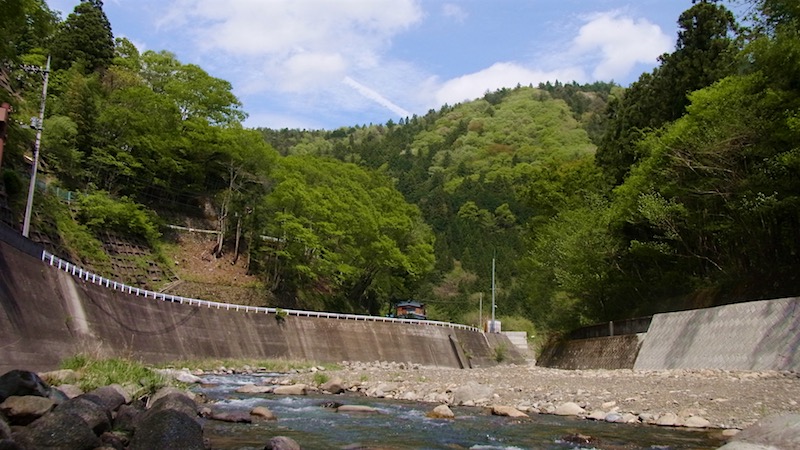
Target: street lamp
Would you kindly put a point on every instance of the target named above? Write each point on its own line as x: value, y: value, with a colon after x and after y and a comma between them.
x: 26, y: 225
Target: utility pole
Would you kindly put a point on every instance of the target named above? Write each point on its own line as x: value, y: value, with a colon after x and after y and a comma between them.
x: 26, y: 226
x: 480, y: 311
x: 491, y: 329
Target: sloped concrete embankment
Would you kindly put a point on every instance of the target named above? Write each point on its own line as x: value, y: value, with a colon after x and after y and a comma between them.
x: 758, y: 335
x: 48, y: 314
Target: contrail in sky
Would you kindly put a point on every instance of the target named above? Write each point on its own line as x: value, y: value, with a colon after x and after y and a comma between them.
x: 376, y: 97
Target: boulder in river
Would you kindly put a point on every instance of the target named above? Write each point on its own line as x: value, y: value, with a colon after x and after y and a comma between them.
x: 442, y: 412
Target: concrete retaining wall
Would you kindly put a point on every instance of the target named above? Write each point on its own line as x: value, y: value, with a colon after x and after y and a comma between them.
x: 761, y: 335
x: 48, y: 314
x: 614, y: 352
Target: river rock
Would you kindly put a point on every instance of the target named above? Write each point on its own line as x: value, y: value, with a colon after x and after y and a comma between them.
x: 667, y: 420
x: 5, y: 429
x: 598, y: 414
x: 231, y: 416
x: 356, y: 409
x: 334, y: 386
x: 70, y: 390
x: 254, y: 389
x: 696, y: 422
x: 97, y: 417
x: 263, y: 413
x: 127, y: 417
x: 282, y: 443
x: 168, y: 428
x: 441, y: 412
x: 58, y: 431
x: 612, y: 418
x: 295, y: 389
x: 472, y: 392
x: 21, y: 383
x: 507, y: 411
x: 109, y: 397
x: 165, y: 391
x: 779, y: 431
x: 569, y: 409
x: 173, y: 401
x: 26, y: 409
x: 410, y: 396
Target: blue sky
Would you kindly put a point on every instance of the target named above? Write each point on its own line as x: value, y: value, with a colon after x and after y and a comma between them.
x: 325, y: 64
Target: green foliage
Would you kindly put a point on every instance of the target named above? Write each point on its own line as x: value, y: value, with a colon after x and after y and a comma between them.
x: 500, y: 353
x: 321, y: 378
x: 704, y: 53
x: 349, y: 240
x: 85, y: 38
x: 100, y: 212
x: 94, y: 373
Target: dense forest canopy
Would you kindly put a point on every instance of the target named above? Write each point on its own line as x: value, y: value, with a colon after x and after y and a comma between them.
x: 598, y: 202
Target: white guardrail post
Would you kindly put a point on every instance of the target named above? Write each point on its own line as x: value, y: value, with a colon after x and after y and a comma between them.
x: 90, y: 277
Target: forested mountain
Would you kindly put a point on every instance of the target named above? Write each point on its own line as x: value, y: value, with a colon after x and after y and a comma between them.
x: 598, y: 202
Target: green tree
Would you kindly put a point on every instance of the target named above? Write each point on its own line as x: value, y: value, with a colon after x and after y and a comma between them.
x: 85, y: 37
x: 705, y: 52
x: 346, y: 239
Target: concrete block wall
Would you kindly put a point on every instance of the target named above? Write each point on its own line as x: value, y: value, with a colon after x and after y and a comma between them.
x: 615, y: 352
x: 760, y: 335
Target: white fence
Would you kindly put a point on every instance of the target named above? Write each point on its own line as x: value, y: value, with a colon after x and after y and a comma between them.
x: 117, y: 286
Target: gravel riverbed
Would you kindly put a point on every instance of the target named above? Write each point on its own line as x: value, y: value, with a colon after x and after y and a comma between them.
x: 726, y: 399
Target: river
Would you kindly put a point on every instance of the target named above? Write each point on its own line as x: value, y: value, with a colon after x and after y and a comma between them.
x: 404, y: 425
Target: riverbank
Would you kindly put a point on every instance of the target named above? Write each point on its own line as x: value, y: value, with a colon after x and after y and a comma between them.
x: 699, y: 398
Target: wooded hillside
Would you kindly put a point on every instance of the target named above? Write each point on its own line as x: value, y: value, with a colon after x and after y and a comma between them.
x: 599, y: 202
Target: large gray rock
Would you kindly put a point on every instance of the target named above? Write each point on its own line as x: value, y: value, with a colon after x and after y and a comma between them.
x: 282, y: 443
x: 774, y: 432
x: 166, y: 391
x: 108, y: 397
x: 5, y: 429
x: 254, y: 389
x: 569, y: 409
x: 507, y: 411
x: 442, y: 412
x: 263, y: 413
x: 22, y: 383
x: 58, y: 431
x: 128, y: 416
x: 334, y: 386
x: 361, y: 409
x: 472, y: 392
x: 168, y: 428
x: 24, y: 410
x: 97, y: 417
x: 173, y: 401
x: 295, y: 389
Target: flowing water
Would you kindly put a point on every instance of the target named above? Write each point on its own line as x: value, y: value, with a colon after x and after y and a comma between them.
x: 404, y: 425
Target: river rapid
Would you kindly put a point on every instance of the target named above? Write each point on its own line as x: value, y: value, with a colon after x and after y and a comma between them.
x: 404, y: 425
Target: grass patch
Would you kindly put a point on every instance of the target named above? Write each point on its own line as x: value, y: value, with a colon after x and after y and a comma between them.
x: 500, y: 353
x: 94, y: 373
x: 321, y: 378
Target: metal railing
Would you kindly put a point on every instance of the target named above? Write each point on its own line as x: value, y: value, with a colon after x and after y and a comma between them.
x: 90, y: 277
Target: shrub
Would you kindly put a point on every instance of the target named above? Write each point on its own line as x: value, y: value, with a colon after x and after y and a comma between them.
x: 99, y: 212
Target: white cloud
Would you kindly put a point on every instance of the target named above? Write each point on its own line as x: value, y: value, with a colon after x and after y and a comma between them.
x: 302, y: 47
x: 499, y: 75
x: 614, y: 44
